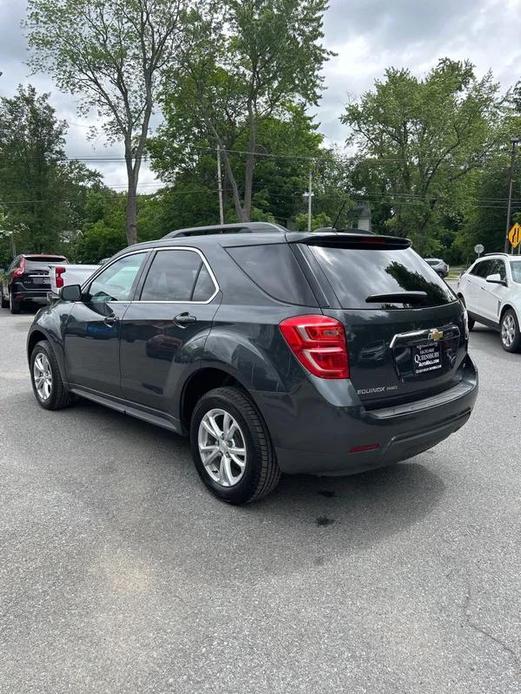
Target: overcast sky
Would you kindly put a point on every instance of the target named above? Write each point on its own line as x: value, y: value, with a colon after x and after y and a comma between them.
x: 368, y: 36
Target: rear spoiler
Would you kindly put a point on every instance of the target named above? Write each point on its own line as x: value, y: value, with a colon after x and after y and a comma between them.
x: 360, y: 241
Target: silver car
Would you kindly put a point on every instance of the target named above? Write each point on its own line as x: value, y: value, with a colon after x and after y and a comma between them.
x: 439, y: 265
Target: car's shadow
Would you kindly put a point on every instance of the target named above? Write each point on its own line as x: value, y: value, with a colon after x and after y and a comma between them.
x: 306, y: 521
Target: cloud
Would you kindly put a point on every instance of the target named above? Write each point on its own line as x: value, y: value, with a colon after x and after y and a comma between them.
x: 368, y: 36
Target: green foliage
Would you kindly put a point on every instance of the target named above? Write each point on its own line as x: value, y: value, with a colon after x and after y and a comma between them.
x: 317, y: 221
x: 43, y: 194
x: 103, y: 229
x: 246, y: 61
x: 418, y: 140
x: 111, y: 54
x: 285, y: 145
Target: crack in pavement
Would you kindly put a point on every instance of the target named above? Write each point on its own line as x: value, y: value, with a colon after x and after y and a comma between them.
x: 481, y: 630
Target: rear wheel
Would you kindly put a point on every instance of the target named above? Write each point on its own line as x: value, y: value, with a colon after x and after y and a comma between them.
x: 231, y: 447
x: 510, y: 334
x: 14, y: 306
x: 4, y: 302
x: 48, y: 386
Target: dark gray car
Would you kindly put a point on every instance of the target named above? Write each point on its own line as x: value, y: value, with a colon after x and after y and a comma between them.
x: 314, y: 353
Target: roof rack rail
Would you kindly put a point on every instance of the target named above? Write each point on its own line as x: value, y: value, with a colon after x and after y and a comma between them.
x: 496, y: 253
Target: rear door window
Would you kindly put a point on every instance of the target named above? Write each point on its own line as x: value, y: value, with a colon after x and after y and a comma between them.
x: 357, y: 274
x: 516, y: 271
x: 178, y: 275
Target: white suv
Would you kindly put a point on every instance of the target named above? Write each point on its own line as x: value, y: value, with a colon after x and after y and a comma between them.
x: 491, y: 291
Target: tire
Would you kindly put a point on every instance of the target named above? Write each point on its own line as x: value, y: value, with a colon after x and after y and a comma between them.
x: 58, y: 397
x: 14, y: 306
x: 3, y: 301
x: 510, y: 333
x: 260, y: 473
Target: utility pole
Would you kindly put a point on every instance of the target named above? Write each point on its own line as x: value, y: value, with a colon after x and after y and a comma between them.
x: 3, y: 234
x: 220, y: 185
x: 309, y: 195
x: 510, y: 183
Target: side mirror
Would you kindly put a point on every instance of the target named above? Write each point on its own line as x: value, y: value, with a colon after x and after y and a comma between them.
x: 71, y: 292
x: 496, y: 279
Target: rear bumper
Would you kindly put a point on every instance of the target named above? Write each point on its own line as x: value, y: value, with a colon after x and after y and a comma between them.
x: 342, y: 440
x: 37, y: 295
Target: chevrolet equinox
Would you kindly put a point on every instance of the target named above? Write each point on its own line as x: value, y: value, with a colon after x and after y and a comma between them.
x: 318, y: 353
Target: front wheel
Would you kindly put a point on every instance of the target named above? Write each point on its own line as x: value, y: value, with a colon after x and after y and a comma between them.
x: 231, y: 447
x: 48, y: 386
x: 510, y: 334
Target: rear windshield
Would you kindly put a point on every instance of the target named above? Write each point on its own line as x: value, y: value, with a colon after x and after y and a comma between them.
x: 44, y: 260
x: 358, y: 274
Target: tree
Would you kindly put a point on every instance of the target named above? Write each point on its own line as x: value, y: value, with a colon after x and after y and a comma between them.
x: 245, y: 61
x: 112, y: 54
x: 42, y: 193
x: 288, y: 147
x: 418, y: 140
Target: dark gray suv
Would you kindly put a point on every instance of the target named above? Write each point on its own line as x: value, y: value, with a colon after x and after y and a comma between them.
x: 321, y: 353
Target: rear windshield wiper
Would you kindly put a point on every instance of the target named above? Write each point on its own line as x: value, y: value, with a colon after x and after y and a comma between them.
x: 397, y: 297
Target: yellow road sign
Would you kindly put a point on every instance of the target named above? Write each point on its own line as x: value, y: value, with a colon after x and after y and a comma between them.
x: 514, y: 235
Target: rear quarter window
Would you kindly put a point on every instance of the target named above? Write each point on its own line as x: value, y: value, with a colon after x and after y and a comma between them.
x: 356, y: 274
x: 275, y: 270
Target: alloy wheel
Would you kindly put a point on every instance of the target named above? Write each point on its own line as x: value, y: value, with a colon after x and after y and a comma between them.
x: 222, y: 447
x: 508, y: 330
x: 42, y: 376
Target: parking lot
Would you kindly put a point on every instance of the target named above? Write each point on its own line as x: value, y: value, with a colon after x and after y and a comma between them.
x: 120, y: 573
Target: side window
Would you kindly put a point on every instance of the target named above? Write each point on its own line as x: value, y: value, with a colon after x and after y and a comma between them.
x: 176, y: 275
x: 482, y: 269
x: 274, y: 269
x: 116, y: 283
x: 14, y: 264
x: 498, y: 267
x: 204, y: 285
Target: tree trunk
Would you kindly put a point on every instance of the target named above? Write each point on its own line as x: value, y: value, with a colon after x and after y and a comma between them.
x: 132, y: 210
x: 235, y: 188
x: 250, y: 166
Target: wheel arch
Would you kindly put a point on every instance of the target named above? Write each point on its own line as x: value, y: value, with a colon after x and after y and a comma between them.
x: 199, y: 383
x: 33, y: 339
x: 37, y: 335
x: 505, y: 308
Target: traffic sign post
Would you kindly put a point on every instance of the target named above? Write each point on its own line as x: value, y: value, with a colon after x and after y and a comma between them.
x: 478, y: 249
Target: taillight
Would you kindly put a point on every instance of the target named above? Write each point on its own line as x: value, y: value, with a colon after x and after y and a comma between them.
x: 319, y: 343
x: 21, y: 269
x: 58, y: 272
x: 466, y: 323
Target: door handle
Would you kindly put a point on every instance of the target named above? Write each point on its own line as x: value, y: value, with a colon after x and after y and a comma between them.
x: 110, y: 320
x: 184, y: 319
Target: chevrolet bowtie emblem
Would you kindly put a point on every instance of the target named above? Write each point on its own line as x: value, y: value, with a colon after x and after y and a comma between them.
x: 436, y: 335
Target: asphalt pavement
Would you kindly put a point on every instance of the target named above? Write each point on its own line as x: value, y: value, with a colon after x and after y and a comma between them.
x: 120, y: 573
